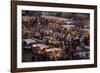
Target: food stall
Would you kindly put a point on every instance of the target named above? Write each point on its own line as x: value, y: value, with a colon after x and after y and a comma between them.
x: 27, y: 43
x: 68, y: 26
x: 39, y: 48
x: 54, y: 53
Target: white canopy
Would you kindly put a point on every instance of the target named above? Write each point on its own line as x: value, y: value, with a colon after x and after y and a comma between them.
x: 68, y: 26
x: 28, y: 41
x: 86, y: 29
x: 53, y: 49
x: 40, y: 45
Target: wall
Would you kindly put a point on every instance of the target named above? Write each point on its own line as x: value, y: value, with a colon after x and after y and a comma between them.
x: 5, y: 36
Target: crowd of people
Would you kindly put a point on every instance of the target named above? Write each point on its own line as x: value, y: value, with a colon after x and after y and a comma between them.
x: 68, y: 32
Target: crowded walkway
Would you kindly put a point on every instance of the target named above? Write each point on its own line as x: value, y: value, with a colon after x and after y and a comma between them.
x: 53, y: 36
